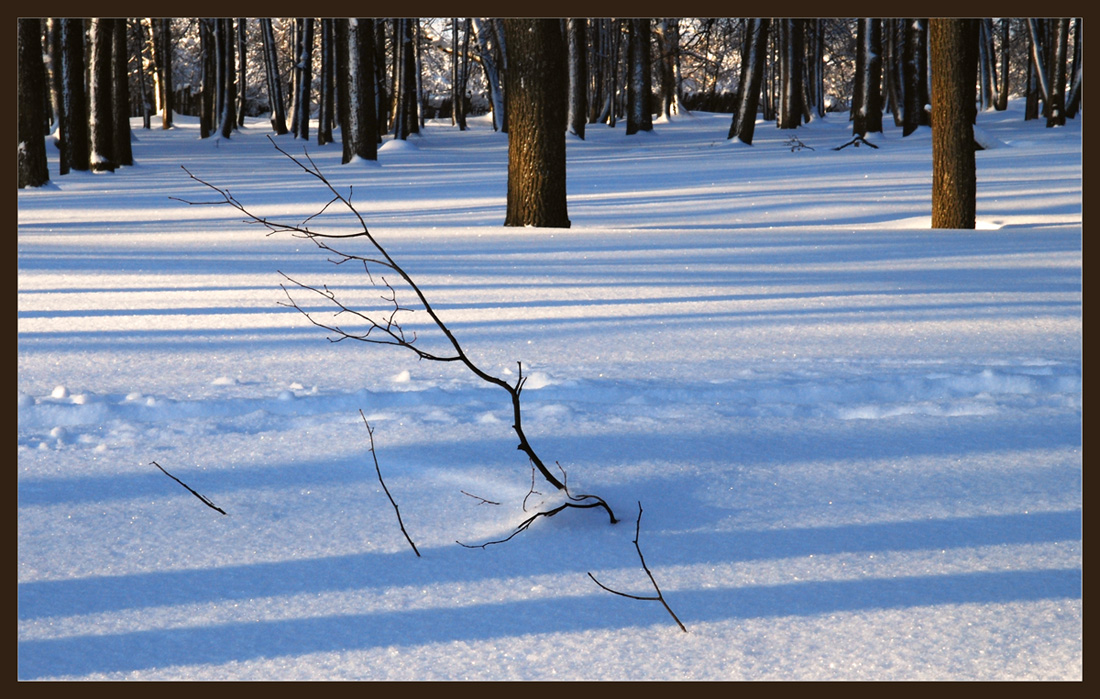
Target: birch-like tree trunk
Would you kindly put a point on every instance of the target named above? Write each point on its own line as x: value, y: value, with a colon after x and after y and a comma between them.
x: 867, y: 98
x: 354, y: 65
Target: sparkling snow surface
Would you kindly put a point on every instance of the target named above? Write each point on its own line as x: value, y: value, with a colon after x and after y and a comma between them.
x: 856, y: 440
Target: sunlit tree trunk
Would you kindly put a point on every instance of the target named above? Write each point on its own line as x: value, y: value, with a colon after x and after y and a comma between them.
x: 537, y: 83
x: 100, y: 112
x: 867, y: 100
x: 576, y: 40
x: 954, y: 55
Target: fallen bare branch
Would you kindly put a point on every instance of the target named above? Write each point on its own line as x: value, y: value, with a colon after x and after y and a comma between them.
x: 204, y: 499
x: 659, y: 597
x: 396, y: 509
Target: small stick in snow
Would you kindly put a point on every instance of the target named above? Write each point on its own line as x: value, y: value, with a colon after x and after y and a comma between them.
x: 659, y: 597
x: 478, y: 497
x: 400, y: 523
x: 205, y: 500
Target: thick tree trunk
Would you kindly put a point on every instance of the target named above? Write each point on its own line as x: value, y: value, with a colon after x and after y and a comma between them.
x: 954, y: 55
x: 459, y: 72
x: 354, y: 54
x: 753, y: 52
x: 227, y: 87
x: 536, y: 140
x: 100, y: 112
x: 1056, y: 114
x: 31, y: 160
x: 162, y: 56
x: 326, y: 103
x: 75, y: 149
x: 790, y: 92
x: 303, y: 69
x: 208, y: 90
x: 668, y: 41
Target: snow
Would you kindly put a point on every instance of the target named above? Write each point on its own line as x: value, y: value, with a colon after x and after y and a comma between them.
x: 856, y: 441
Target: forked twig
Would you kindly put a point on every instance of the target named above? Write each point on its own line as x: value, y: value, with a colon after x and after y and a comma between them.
x: 659, y: 596
x: 388, y: 329
x: 396, y: 509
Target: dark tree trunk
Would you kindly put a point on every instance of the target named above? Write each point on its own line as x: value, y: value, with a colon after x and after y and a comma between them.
x: 491, y: 67
x: 32, y: 168
x: 1056, y: 114
x: 459, y: 72
x: 227, y: 84
x: 100, y: 111
x: 303, y: 69
x: 208, y: 100
x: 915, y: 75
x: 754, y: 51
x: 639, y: 84
x: 354, y: 65
x: 274, y: 82
x: 1002, y: 92
x: 405, y: 112
x: 120, y: 89
x: 242, y: 69
x: 790, y: 91
x: 326, y: 103
x: 1073, y: 99
x: 75, y: 149
x: 576, y: 30
x: 954, y: 55
x: 867, y: 100
x: 536, y: 85
x: 668, y: 41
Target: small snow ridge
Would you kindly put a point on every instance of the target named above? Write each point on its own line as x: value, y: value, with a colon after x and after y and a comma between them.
x: 403, y: 377
x: 224, y: 381
x: 60, y: 392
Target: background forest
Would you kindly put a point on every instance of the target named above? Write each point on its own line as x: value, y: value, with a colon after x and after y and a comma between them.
x: 382, y: 76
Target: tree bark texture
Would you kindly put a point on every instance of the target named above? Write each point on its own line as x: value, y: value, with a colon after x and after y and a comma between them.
x: 954, y: 54
x: 32, y: 169
x: 536, y: 88
x: 753, y: 52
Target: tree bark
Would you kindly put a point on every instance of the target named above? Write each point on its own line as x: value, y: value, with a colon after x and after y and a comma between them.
x: 867, y: 100
x: 639, y: 85
x: 354, y: 53
x: 100, y: 112
x: 576, y: 35
x: 536, y: 85
x: 954, y: 55
x: 120, y: 88
x: 32, y: 168
x: 753, y: 52
x: 303, y: 69
x: 915, y: 75
x: 274, y: 82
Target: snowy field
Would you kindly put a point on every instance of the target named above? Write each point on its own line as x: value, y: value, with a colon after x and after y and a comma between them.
x: 856, y: 441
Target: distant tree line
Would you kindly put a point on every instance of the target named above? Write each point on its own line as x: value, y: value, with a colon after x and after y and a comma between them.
x: 81, y: 80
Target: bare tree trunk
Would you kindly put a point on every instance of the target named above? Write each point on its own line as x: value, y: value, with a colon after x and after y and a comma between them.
x: 490, y: 66
x: 120, y: 89
x: 326, y: 102
x: 668, y: 41
x: 954, y: 55
x: 208, y: 106
x: 459, y: 72
x: 242, y: 69
x: 1002, y: 93
x: 867, y: 100
x: 274, y: 82
x: 162, y: 56
x: 639, y: 90
x: 354, y: 53
x: 75, y: 149
x: 753, y: 54
x: 915, y: 76
x: 31, y: 162
x: 1056, y: 114
x: 100, y: 112
x: 576, y: 36
x: 536, y: 140
x: 303, y: 69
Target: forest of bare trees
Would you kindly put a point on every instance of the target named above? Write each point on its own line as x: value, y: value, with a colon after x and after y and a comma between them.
x: 359, y: 80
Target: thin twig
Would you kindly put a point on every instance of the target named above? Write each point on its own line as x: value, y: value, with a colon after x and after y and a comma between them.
x: 478, y: 497
x: 659, y: 596
x: 205, y: 500
x: 397, y: 511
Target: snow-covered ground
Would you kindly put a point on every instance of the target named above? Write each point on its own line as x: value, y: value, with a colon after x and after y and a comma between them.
x: 856, y: 440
